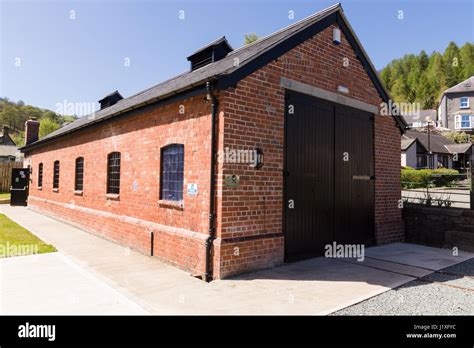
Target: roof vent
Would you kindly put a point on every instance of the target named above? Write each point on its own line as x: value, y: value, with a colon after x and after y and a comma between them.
x: 210, y: 53
x: 110, y: 99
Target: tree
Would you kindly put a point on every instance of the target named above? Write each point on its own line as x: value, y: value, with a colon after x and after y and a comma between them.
x: 386, y: 76
x: 458, y: 137
x: 249, y: 38
x: 466, y: 54
x: 452, y: 64
x: 423, y: 93
x: 435, y: 73
x: 423, y: 60
x: 47, y: 126
x: 8, y: 116
x: 19, y: 138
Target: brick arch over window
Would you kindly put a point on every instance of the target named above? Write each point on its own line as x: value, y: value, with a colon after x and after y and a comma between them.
x: 79, y: 174
x: 171, y: 173
x: 113, y: 173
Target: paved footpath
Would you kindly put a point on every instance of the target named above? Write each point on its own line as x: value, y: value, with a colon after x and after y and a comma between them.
x: 91, y: 275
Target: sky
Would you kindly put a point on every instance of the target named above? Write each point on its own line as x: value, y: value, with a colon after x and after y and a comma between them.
x: 53, y: 53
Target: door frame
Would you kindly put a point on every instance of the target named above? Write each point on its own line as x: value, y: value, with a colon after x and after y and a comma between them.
x: 287, y: 92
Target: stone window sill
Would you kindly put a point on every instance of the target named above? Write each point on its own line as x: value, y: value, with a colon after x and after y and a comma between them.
x: 40, y: 188
x: 55, y: 190
x: 78, y: 192
x: 178, y: 205
x: 113, y: 196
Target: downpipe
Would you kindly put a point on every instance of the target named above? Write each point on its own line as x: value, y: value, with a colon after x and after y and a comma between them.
x: 212, y: 230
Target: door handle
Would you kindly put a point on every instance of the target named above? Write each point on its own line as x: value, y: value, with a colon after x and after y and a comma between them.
x: 363, y: 177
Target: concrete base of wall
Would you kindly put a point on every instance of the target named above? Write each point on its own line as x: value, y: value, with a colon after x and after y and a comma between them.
x: 180, y: 248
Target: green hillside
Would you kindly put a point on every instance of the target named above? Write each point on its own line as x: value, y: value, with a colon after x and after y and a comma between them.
x: 422, y: 78
x: 14, y: 115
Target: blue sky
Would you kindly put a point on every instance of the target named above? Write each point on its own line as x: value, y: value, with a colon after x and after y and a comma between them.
x: 82, y: 59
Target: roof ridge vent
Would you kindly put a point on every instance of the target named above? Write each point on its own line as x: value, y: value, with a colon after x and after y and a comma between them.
x: 210, y: 53
x: 110, y: 100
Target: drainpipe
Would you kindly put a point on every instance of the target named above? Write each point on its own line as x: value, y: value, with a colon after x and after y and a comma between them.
x: 212, y: 215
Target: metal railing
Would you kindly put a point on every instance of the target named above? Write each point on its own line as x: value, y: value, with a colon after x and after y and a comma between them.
x: 440, y: 190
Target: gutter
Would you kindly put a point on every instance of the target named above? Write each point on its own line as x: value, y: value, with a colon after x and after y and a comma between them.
x: 212, y: 215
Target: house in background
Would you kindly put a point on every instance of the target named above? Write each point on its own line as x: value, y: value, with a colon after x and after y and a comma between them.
x: 8, y: 149
x: 414, y: 154
x: 456, y: 108
x: 421, y: 119
x: 416, y: 147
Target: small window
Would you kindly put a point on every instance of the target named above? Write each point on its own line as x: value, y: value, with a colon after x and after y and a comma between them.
x: 40, y: 175
x: 79, y: 176
x: 56, y: 175
x: 443, y: 161
x: 421, y: 161
x: 465, y: 121
x: 464, y: 102
x: 113, y: 173
x: 172, y: 168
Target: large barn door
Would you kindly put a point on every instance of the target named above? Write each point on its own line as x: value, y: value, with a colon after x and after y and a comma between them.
x: 354, y: 176
x: 329, y: 187
x: 309, y: 176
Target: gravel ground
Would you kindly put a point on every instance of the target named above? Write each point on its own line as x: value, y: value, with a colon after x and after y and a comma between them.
x: 421, y: 298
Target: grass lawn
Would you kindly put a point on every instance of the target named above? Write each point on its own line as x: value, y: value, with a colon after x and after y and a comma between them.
x: 4, y: 195
x: 16, y: 241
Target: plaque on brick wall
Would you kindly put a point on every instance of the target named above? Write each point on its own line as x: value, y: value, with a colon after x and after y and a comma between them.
x: 231, y: 180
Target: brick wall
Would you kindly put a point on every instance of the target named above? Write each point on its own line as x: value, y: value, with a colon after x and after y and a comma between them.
x: 254, y: 117
x: 179, y: 232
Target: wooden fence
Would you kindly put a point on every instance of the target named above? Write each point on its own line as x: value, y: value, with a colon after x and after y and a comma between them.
x: 6, y: 174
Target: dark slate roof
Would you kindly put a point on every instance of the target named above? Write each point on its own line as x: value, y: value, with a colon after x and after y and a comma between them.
x: 460, y: 148
x: 226, y: 73
x: 465, y: 86
x: 439, y: 143
x: 406, y: 143
x: 6, y: 140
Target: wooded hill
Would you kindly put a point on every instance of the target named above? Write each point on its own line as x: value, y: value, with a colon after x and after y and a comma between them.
x: 422, y: 78
x: 14, y: 115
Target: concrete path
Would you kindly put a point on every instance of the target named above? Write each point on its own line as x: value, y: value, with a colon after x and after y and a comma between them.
x: 315, y: 286
x: 52, y: 284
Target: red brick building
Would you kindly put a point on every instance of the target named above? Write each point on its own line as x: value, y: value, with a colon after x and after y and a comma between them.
x: 255, y: 156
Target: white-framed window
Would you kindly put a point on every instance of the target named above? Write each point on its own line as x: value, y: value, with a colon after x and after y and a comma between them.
x: 464, y: 121
x: 464, y: 102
